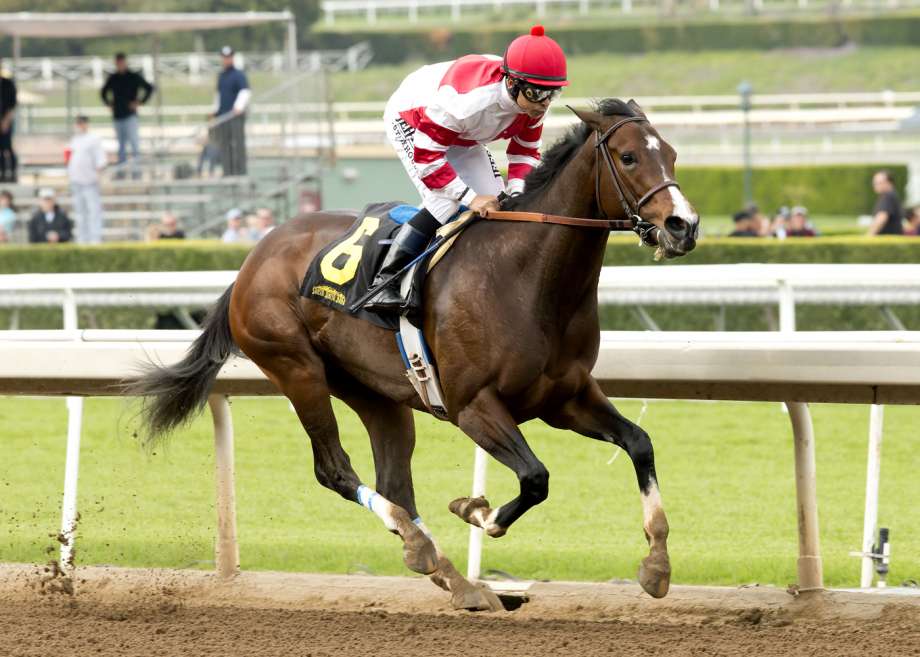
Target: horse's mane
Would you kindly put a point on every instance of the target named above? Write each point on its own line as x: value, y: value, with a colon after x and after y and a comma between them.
x: 555, y: 159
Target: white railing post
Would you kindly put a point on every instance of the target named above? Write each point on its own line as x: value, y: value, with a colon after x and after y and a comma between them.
x: 72, y: 458
x: 810, y: 570
x: 873, y: 472
x: 227, y: 551
x: 474, y: 556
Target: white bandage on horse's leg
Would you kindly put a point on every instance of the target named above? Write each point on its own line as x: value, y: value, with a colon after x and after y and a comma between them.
x: 374, y: 501
x: 421, y: 525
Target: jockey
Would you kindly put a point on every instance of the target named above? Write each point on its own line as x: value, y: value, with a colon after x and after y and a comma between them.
x: 441, y: 117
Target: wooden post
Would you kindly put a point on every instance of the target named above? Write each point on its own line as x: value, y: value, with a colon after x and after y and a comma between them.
x: 810, y: 570
x: 227, y: 551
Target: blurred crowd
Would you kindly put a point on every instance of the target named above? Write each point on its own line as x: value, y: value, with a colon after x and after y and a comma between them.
x: 123, y: 92
x: 888, y: 216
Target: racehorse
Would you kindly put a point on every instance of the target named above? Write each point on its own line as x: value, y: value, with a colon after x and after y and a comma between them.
x: 510, y: 315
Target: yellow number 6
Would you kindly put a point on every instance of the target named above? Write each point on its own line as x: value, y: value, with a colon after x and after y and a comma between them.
x: 350, y: 246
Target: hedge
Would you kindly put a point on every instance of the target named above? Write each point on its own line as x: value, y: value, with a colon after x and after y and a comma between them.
x: 824, y: 190
x: 404, y: 42
x: 621, y: 250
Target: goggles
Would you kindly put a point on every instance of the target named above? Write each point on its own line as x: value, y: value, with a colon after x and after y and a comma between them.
x: 538, y: 94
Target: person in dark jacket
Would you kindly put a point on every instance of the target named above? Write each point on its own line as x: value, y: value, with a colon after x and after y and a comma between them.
x: 124, y: 91
x: 229, y: 116
x: 49, y: 223
x: 887, y: 213
x: 8, y: 161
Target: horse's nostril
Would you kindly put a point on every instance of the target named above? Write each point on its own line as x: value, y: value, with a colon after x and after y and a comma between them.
x: 678, y: 227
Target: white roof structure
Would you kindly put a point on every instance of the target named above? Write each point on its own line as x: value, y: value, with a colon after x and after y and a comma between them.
x: 88, y: 25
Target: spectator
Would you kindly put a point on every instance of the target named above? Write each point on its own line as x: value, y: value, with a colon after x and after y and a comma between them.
x: 169, y: 228
x: 252, y: 227
x: 745, y: 225
x: 234, y: 232
x: 913, y: 221
x: 265, y: 223
x: 49, y: 223
x: 4, y: 236
x: 8, y: 161
x: 759, y: 222
x: 887, y: 209
x: 120, y: 92
x: 799, y: 226
x: 229, y: 133
x: 7, y: 213
x: 780, y: 221
x: 87, y: 159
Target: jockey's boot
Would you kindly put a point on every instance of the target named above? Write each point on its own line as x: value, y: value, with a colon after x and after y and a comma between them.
x: 410, y: 241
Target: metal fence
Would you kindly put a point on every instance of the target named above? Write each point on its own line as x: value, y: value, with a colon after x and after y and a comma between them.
x: 456, y: 9
x: 193, y: 65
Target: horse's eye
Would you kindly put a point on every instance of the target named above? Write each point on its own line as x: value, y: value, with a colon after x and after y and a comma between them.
x: 628, y: 159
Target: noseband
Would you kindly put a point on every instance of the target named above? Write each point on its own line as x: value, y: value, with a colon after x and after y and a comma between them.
x: 631, y: 206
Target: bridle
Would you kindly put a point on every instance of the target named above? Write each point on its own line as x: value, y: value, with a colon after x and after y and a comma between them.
x: 631, y: 207
x: 646, y: 230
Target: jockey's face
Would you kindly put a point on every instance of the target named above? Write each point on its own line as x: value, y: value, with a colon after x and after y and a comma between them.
x: 532, y: 109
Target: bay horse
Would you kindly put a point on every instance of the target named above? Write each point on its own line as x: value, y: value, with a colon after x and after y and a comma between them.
x: 510, y: 314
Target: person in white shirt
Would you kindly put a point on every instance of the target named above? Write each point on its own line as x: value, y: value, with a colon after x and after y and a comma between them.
x: 234, y: 232
x: 87, y: 159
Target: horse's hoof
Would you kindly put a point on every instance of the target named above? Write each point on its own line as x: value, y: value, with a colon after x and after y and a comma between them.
x: 655, y: 575
x: 464, y: 507
x: 475, y: 598
x: 420, y: 555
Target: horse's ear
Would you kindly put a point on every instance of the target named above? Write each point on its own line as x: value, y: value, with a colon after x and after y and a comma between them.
x: 593, y: 119
x: 634, y: 106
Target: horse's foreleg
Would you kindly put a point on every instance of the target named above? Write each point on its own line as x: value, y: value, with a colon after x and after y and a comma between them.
x: 392, y: 433
x: 591, y: 414
x: 490, y: 425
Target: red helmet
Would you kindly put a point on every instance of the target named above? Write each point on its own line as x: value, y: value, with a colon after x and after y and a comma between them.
x: 537, y: 59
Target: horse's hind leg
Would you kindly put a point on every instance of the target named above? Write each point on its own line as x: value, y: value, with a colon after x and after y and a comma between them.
x: 392, y: 433
x: 591, y: 414
x: 300, y: 375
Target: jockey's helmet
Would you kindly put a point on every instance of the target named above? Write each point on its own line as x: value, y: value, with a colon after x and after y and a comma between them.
x: 535, y: 59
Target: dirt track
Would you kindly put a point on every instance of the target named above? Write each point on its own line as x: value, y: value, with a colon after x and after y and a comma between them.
x: 145, y: 612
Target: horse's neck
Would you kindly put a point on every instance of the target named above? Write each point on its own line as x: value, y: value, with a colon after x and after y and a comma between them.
x: 577, y: 253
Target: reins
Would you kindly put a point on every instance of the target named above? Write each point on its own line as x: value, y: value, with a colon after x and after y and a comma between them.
x: 539, y: 217
x: 631, y: 207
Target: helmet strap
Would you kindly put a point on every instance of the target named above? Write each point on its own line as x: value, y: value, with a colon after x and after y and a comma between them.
x: 514, y: 88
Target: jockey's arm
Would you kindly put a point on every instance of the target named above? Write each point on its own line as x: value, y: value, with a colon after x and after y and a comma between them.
x: 436, y: 132
x: 523, y: 155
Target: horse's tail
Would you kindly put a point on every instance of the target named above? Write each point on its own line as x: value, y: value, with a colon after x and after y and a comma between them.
x: 173, y: 395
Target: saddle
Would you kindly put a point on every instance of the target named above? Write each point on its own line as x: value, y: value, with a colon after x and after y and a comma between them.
x: 343, y: 271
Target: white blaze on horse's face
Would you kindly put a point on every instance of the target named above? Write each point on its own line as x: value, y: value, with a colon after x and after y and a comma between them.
x: 652, y: 143
x: 681, y: 205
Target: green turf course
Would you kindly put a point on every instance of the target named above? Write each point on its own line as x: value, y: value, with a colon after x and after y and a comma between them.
x: 725, y: 469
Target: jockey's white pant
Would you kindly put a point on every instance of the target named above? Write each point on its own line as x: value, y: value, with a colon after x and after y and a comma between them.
x: 474, y: 165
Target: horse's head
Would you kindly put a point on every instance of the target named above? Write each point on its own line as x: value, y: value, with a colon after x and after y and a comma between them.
x: 634, y: 176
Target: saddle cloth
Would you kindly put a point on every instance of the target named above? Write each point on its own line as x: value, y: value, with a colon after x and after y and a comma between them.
x: 344, y: 270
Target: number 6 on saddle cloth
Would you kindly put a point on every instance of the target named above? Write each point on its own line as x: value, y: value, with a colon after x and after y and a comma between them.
x: 341, y: 274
